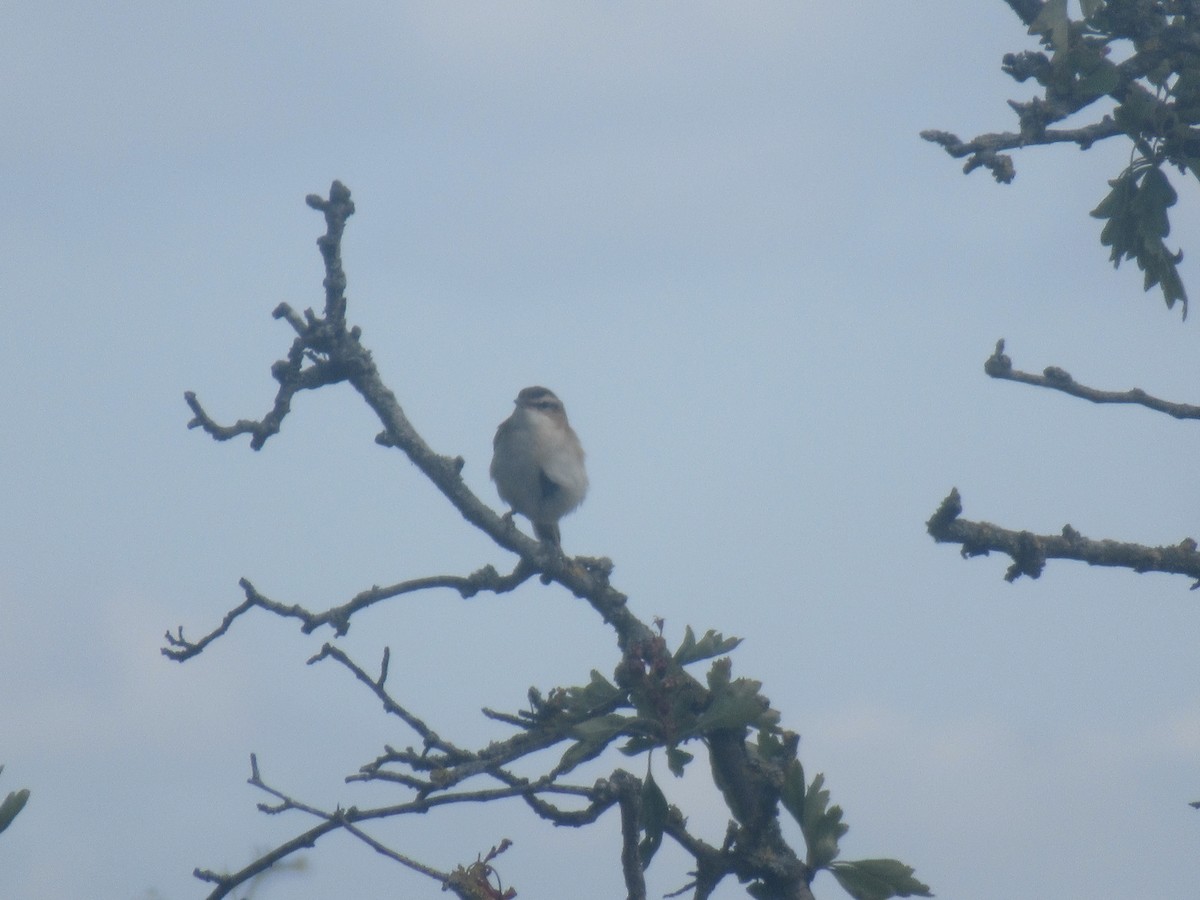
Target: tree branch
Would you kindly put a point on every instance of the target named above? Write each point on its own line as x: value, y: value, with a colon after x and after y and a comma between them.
x: 1064, y: 96
x: 670, y: 706
x: 985, y: 149
x: 1029, y: 551
x: 180, y: 648
x: 629, y: 798
x: 998, y: 365
x: 712, y: 864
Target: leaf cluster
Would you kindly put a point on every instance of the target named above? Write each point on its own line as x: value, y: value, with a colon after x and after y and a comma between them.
x: 1153, y: 93
x: 668, y: 708
x: 823, y: 828
x: 1136, y: 214
x: 13, y: 804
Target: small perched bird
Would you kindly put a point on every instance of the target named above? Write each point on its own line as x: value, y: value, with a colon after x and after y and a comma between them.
x: 538, y: 462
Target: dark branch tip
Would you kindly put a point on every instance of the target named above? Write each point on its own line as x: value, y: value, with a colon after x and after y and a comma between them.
x: 949, y: 510
x: 998, y: 365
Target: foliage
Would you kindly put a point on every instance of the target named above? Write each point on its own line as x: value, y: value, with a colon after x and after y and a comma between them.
x: 12, y: 805
x: 1151, y: 96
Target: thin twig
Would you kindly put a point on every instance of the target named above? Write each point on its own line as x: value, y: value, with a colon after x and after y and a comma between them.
x: 486, y: 579
x: 998, y: 365
x: 429, y: 737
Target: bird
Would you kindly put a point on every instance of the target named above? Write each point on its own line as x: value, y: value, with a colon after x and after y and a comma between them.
x: 537, y: 462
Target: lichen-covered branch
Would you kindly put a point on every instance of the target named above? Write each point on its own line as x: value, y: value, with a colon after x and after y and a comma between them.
x: 986, y: 150
x: 998, y: 365
x: 629, y: 801
x: 1151, y: 97
x: 1075, y: 74
x: 1029, y: 552
x: 652, y: 704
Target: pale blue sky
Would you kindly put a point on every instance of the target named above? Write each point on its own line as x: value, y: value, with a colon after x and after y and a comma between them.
x: 713, y: 230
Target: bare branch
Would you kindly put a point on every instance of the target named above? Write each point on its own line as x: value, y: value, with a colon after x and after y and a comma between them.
x: 998, y: 365
x: 1029, y: 551
x: 629, y: 798
x: 429, y: 737
x: 226, y: 883
x: 337, y: 209
x: 179, y: 649
x: 333, y: 353
x: 602, y: 796
x: 344, y: 819
x: 985, y: 150
x: 407, y: 861
x: 712, y: 864
x: 317, y: 341
x: 670, y: 706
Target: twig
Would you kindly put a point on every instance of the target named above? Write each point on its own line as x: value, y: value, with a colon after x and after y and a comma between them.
x: 712, y: 864
x: 1029, y: 551
x: 179, y: 648
x: 998, y: 365
x: 408, y: 861
x: 629, y: 798
x: 337, y: 209
x: 429, y: 737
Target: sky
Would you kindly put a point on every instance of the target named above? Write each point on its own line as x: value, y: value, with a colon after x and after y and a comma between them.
x: 713, y: 230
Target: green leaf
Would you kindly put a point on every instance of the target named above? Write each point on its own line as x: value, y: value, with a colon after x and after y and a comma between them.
x: 1151, y: 202
x: 1172, y: 288
x: 712, y: 644
x: 878, y: 879
x: 793, y: 793
x: 591, y: 737
x: 1053, y: 25
x: 598, y: 693
x: 12, y: 805
x: 600, y: 688
x: 653, y: 820
x: 644, y: 734
x: 1100, y: 81
x: 601, y: 727
x: 734, y: 704
x: 718, y: 676
x: 1116, y: 201
x: 1136, y: 209
x: 821, y: 825
x: 677, y: 759
x: 1186, y: 93
x: 770, y: 746
x: 1138, y: 113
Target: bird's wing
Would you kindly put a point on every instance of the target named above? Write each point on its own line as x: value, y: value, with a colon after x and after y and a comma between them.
x: 548, y: 486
